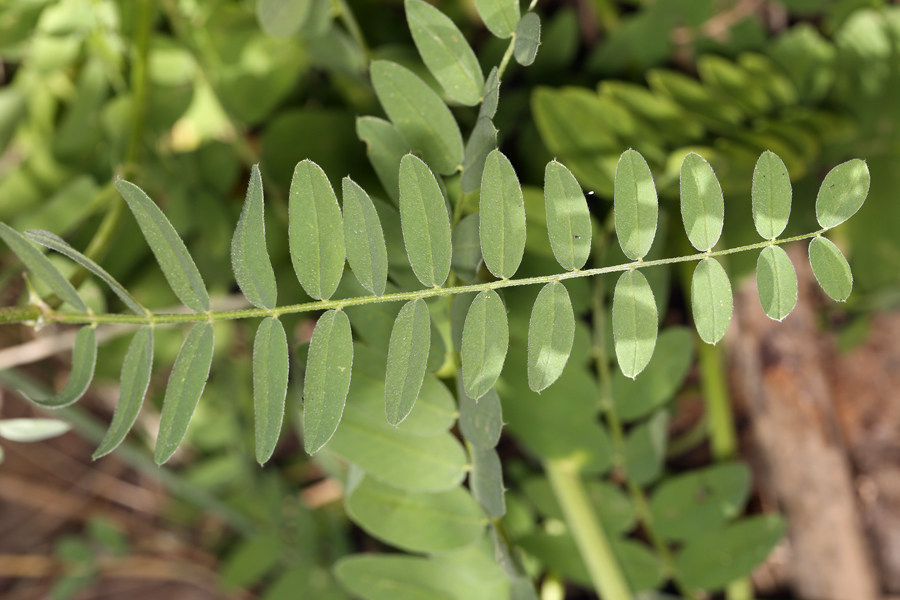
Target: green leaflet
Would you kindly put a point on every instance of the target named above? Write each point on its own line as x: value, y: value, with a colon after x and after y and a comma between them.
x: 135, y: 378
x: 491, y: 95
x: 32, y: 430
x: 711, y: 300
x: 645, y: 449
x: 688, y: 505
x: 423, y: 119
x: 254, y: 557
x: 551, y: 333
x: 406, y: 360
x: 364, y: 238
x: 528, y: 38
x: 842, y: 193
x: 636, y: 205
x: 466, y: 259
x: 41, y: 266
x: 417, y: 463
x: 771, y: 195
x: 327, y: 379
x: 568, y: 218
x: 702, y: 203
x: 316, y: 231
x: 171, y: 254
x: 282, y: 18
x: 433, y: 414
x: 776, y: 282
x: 425, y: 222
x: 830, y: 268
x: 84, y: 358
x: 445, y: 52
x: 270, y: 378
x: 711, y: 561
x: 481, y: 422
x: 634, y: 322
x: 482, y: 140
x: 486, y: 481
x: 484, y: 343
x: 45, y: 238
x: 385, y: 147
x: 500, y: 16
x: 186, y: 383
x: 502, y: 217
x: 249, y: 256
x: 416, y: 521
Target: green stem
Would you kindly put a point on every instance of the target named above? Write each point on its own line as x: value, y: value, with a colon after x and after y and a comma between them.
x: 397, y: 297
x: 20, y: 314
x: 506, y: 56
x: 722, y: 435
x: 593, y: 545
x: 139, y: 81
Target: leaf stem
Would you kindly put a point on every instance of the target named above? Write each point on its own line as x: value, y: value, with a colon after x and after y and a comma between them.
x: 346, y: 15
x: 506, y: 56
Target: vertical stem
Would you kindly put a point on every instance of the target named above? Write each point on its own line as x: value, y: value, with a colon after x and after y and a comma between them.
x: 593, y: 545
x: 722, y: 435
x: 139, y: 81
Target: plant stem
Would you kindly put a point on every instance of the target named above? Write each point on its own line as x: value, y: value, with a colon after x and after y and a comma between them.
x: 594, y: 547
x: 722, y: 436
x: 158, y: 319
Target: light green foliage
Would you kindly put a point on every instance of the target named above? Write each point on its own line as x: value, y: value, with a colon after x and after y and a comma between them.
x: 270, y: 378
x: 776, y: 282
x: 711, y: 300
x: 445, y: 52
x: 568, y: 219
x: 771, y: 194
x: 327, y: 379
x: 634, y: 322
x: 84, y: 359
x: 183, y: 391
x: 830, y: 268
x: 551, y: 332
x: 702, y: 203
x: 385, y: 147
x: 486, y: 481
x: 500, y: 16
x: 484, y: 343
x: 426, y: 225
x: 316, y: 231
x: 502, y: 217
x: 528, y: 39
x: 249, y: 256
x: 364, y: 238
x: 406, y: 360
x: 636, y: 205
x: 842, y: 193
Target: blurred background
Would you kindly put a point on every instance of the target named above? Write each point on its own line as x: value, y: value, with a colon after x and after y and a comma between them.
x: 183, y: 96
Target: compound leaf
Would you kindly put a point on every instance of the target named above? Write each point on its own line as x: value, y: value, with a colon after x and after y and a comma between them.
x: 480, y: 422
x: 502, y: 217
x: 186, y: 383
x: 500, y: 16
x: 423, y: 119
x: 568, y: 218
x: 249, y: 256
x: 316, y: 231
x: 771, y: 195
x: 171, y: 254
x: 84, y: 358
x: 636, y: 205
x: 711, y: 300
x: 528, y: 39
x: 702, y: 203
x: 484, y: 343
x: 327, y: 379
x: 445, y: 52
x: 135, y: 379
x: 406, y: 360
x: 776, y: 282
x: 551, y: 333
x: 842, y: 193
x: 634, y: 320
x: 425, y: 222
x: 270, y: 378
x: 486, y: 481
x: 385, y: 147
x: 830, y: 268
x: 482, y: 140
x: 364, y: 238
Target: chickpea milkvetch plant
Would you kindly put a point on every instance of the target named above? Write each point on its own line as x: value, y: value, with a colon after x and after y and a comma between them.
x: 445, y: 275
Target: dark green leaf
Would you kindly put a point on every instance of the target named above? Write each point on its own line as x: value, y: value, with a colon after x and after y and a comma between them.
x: 445, y: 52
x: 481, y: 422
x: 270, y: 378
x: 425, y: 222
x: 250, y: 561
x: 500, y: 16
x: 702, y: 203
x: 771, y: 195
x: 41, y: 266
x: 421, y: 116
x: 634, y: 322
x: 249, y: 255
x: 502, y: 220
x: 645, y: 449
x: 171, y: 253
x: 364, y: 238
x: 84, y: 358
x: 776, y: 282
x: 550, y: 335
x: 491, y: 95
x: 135, y: 378
x: 568, y: 218
x: 711, y: 300
x: 327, y: 379
x: 830, y: 268
x: 842, y: 193
x: 466, y: 258
x: 316, y: 231
x: 406, y: 360
x: 636, y: 205
x: 484, y: 343
x: 186, y: 383
x: 482, y: 140
x: 528, y: 38
x: 486, y: 481
x: 385, y: 147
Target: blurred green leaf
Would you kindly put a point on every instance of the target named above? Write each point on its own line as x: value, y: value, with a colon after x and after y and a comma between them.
x: 486, y: 481
x: 500, y: 16
x: 466, y: 258
x: 32, y: 430
x: 482, y: 141
x: 480, y: 422
x: 385, y: 147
